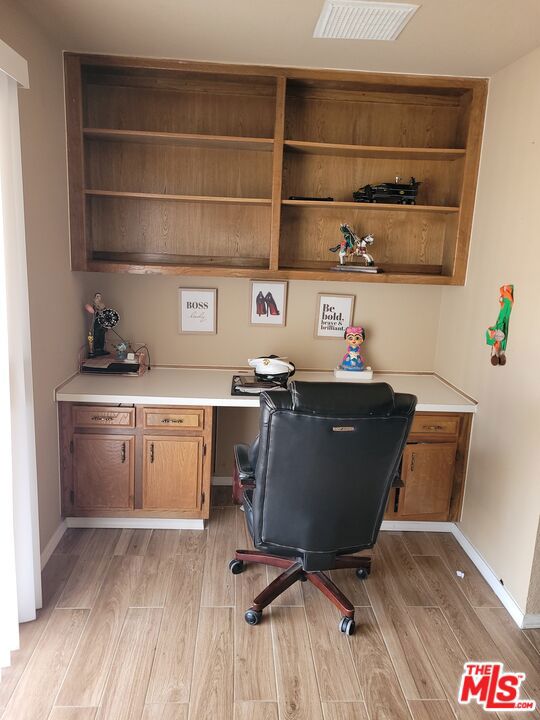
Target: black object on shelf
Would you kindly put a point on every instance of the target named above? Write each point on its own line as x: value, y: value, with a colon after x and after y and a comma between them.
x: 311, y: 199
x: 396, y: 193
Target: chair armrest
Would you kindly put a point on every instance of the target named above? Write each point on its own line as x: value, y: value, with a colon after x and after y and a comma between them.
x: 246, y: 472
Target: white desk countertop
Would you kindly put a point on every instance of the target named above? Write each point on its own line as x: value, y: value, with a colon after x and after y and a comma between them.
x: 195, y: 386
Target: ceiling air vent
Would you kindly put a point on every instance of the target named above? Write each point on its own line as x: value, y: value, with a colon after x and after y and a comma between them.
x: 363, y: 20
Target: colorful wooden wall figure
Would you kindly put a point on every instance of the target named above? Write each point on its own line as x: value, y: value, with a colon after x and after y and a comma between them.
x: 497, y: 335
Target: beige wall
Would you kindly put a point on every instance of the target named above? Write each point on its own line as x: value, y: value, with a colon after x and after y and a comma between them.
x: 502, y: 500
x: 54, y: 292
x: 401, y: 325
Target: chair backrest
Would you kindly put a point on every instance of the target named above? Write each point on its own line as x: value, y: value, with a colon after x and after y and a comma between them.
x: 327, y: 456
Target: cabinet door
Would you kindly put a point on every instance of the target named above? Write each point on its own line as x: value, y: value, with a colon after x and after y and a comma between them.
x: 103, y: 471
x: 428, y: 475
x: 172, y: 472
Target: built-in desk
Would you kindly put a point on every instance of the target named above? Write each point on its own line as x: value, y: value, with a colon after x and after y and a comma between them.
x: 141, y: 447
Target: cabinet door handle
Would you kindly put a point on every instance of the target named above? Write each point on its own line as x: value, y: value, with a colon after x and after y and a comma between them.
x: 413, y: 461
x: 172, y: 420
x: 151, y: 452
x: 123, y: 452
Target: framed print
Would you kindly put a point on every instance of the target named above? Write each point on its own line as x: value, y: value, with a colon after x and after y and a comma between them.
x: 197, y: 310
x: 334, y: 313
x: 268, y: 302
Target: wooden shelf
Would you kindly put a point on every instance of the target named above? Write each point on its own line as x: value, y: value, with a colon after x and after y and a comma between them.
x: 182, y: 139
x: 371, y: 206
x: 374, y: 151
x: 208, y: 211
x: 179, y: 198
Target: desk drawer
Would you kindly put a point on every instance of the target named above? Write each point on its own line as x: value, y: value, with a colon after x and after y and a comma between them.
x: 88, y: 416
x: 435, y: 425
x: 181, y: 419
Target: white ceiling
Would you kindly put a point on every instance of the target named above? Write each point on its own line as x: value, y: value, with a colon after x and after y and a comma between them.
x: 449, y: 37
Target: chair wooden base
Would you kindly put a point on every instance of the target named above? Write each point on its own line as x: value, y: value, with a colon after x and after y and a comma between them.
x: 293, y: 572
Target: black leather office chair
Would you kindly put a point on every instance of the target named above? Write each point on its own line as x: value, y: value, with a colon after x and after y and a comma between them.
x: 323, y: 466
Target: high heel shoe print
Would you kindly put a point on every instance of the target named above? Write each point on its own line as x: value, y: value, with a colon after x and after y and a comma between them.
x: 271, y: 304
x: 261, y: 305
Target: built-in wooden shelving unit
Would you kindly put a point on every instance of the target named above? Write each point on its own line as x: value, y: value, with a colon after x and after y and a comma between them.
x: 185, y: 167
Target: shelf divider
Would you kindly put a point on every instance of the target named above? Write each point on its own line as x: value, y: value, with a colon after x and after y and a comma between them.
x: 374, y: 151
x: 182, y: 139
x: 179, y: 198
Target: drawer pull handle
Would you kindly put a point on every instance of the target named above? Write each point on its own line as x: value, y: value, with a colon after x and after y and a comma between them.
x: 433, y: 427
x: 413, y: 461
x: 123, y: 452
x: 103, y: 418
x: 172, y: 420
x: 151, y: 452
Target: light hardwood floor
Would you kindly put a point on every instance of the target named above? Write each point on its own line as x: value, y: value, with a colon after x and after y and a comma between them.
x: 142, y: 625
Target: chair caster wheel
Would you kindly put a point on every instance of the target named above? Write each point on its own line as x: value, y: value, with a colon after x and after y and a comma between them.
x: 347, y: 625
x: 362, y: 573
x: 236, y: 567
x: 253, y: 617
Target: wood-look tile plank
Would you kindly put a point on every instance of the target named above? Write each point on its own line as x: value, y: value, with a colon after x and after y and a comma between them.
x: 218, y: 581
x: 292, y: 597
x: 87, y: 577
x: 89, y: 669
x: 73, y: 713
x: 133, y: 541
x: 533, y: 635
x: 473, y: 585
x: 170, y: 678
x: 399, y: 564
x: 221, y: 496
x: 351, y: 586
x: 298, y: 693
x: 333, y: 661
x: 36, y: 691
x: 254, y: 672
x: 446, y: 655
x: 344, y: 711
x: 212, y: 684
x: 255, y: 711
x: 515, y: 650
x: 465, y: 623
x: 419, y: 543
x: 382, y: 693
x: 125, y: 690
x: 413, y: 667
x: 166, y: 711
x: 431, y: 709
x: 156, y: 571
x: 73, y: 541
x: 53, y: 580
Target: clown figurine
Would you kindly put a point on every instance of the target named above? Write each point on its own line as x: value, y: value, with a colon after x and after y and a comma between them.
x: 497, y: 335
x: 353, y: 360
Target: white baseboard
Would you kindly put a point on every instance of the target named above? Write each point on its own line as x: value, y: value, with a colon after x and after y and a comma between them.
x: 50, y: 547
x: 221, y: 480
x: 417, y: 526
x: 492, y: 580
x: 531, y: 621
x: 143, y: 523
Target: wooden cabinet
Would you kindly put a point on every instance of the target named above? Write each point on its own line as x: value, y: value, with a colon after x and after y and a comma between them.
x: 250, y: 138
x: 433, y: 468
x: 159, y: 468
x: 103, y: 471
x: 172, y: 472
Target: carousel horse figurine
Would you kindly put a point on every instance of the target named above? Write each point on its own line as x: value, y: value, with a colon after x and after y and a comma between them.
x: 351, y: 245
x: 497, y: 335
